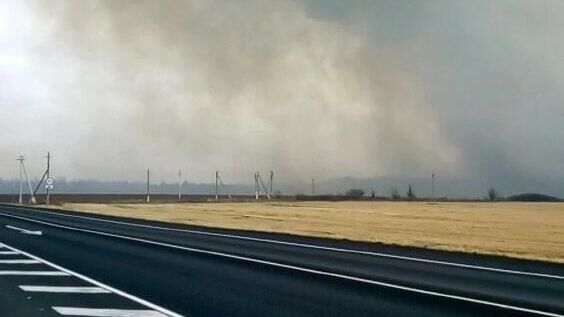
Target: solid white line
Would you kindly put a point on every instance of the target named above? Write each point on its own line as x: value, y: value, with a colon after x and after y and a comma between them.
x: 35, y: 273
x: 18, y: 261
x: 64, y: 289
x: 134, y: 298
x: 101, y: 312
x: 313, y: 246
x: 8, y: 253
x: 297, y: 268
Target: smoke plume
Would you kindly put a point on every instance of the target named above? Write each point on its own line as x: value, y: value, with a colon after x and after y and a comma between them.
x: 307, y: 88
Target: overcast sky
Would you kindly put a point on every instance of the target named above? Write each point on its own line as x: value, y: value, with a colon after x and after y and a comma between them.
x: 471, y: 89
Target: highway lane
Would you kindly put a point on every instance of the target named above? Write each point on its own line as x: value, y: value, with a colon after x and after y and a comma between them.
x: 32, y: 286
x: 254, y: 274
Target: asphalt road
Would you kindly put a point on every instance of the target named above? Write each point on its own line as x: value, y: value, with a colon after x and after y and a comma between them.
x: 103, y: 266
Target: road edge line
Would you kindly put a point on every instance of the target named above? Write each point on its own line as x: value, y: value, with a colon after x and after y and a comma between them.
x: 97, y: 283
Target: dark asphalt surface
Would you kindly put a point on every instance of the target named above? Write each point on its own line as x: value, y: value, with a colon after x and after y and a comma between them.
x: 193, y: 283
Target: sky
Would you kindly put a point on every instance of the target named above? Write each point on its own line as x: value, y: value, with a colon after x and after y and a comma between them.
x: 312, y: 88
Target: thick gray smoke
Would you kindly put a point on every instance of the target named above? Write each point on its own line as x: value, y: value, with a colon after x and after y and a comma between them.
x: 310, y: 89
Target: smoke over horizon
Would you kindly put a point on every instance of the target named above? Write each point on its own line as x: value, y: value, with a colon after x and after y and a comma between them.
x: 307, y: 88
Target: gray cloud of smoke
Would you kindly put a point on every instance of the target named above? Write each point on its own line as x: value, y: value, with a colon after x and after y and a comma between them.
x: 314, y: 88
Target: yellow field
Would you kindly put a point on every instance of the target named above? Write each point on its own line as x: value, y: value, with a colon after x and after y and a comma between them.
x: 523, y: 230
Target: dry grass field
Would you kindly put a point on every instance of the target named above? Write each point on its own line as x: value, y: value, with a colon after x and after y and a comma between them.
x: 522, y: 230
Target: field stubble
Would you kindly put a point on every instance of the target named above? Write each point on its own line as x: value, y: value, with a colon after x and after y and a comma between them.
x: 522, y: 230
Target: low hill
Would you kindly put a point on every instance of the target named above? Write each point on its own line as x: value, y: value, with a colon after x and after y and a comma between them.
x: 534, y: 197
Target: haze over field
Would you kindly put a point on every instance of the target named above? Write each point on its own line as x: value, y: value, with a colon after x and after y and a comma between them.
x: 314, y: 88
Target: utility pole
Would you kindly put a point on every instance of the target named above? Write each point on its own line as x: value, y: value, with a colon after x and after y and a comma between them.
x: 433, y: 185
x: 225, y: 188
x: 271, y: 181
x: 216, y: 185
x: 20, y: 198
x: 261, y: 186
x: 313, y: 187
x: 48, y: 181
x: 257, y: 186
x: 32, y: 198
x: 148, y: 186
x: 23, y: 172
x: 47, y: 195
x: 179, y: 185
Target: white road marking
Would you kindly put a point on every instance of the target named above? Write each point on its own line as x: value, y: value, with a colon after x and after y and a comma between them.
x: 35, y: 273
x: 164, y: 311
x: 24, y: 231
x: 298, y: 268
x: 64, y: 289
x: 8, y: 253
x: 19, y: 261
x: 97, y: 312
x: 313, y: 246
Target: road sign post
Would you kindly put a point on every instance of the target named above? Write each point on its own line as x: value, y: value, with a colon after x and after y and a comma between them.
x: 49, y: 185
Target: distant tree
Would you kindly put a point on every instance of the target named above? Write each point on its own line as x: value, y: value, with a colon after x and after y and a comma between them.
x: 354, y: 193
x: 492, y: 194
x: 410, y: 193
x: 395, y: 193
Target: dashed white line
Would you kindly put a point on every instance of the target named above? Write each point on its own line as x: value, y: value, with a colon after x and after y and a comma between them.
x: 19, y: 261
x: 295, y: 268
x: 25, y: 231
x: 8, y: 253
x: 63, y: 271
x: 34, y: 273
x: 311, y: 246
x: 97, y: 312
x: 64, y: 289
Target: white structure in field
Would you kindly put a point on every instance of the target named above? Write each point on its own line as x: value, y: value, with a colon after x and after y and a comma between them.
x: 261, y: 188
x: 23, y: 172
x: 220, y: 186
